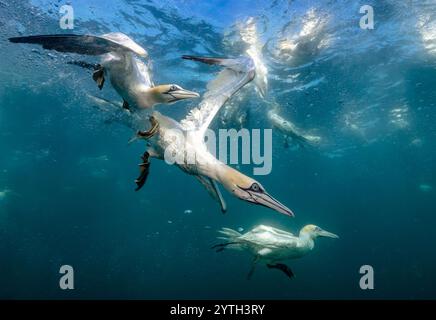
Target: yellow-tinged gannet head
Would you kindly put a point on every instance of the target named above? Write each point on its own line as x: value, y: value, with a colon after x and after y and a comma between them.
x: 248, y: 189
x: 170, y: 93
x: 314, y: 231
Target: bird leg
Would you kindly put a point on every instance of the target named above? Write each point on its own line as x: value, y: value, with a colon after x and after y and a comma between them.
x: 282, y: 267
x: 253, y: 266
x: 144, y: 169
x: 152, y: 131
x: 98, y: 75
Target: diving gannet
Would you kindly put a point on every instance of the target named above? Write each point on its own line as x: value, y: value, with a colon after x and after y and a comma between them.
x: 168, y: 136
x: 129, y: 75
x: 250, y: 36
x: 271, y: 246
x: 290, y: 130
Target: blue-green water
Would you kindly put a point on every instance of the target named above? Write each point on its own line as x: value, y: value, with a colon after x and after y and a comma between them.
x: 66, y: 176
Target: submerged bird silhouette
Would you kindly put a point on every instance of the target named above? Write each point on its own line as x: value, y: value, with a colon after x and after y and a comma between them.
x: 128, y: 74
x: 272, y: 246
x: 168, y: 136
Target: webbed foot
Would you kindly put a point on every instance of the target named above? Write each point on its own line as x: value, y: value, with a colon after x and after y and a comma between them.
x: 282, y: 267
x: 152, y: 131
x: 144, y: 169
x: 98, y: 76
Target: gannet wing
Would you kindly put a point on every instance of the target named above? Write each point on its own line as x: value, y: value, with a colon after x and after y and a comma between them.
x: 115, y: 112
x: 84, y: 44
x: 236, y: 74
x: 145, y: 72
x: 269, y: 236
x: 213, y: 190
x: 262, y: 228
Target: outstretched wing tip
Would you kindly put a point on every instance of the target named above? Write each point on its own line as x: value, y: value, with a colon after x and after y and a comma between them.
x: 236, y: 74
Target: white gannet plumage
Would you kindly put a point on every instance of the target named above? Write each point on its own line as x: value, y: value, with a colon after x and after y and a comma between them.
x: 271, y: 245
x: 290, y: 130
x: 128, y: 74
x: 188, y: 136
x: 249, y: 34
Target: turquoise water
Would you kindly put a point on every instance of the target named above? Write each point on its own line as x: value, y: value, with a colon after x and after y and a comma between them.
x: 66, y: 174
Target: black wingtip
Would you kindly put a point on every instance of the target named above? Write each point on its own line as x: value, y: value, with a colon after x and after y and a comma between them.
x: 207, y: 60
x: 14, y: 39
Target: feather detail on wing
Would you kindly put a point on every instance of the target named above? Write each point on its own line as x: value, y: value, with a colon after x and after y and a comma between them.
x: 236, y: 74
x: 271, y: 230
x: 85, y: 44
x: 266, y: 236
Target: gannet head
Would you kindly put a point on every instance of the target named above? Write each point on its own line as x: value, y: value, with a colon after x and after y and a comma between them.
x: 170, y: 93
x: 248, y: 189
x: 314, y: 232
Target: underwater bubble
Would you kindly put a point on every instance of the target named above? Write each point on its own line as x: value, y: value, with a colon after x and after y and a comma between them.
x: 169, y: 222
x: 240, y: 229
x: 188, y: 211
x: 207, y: 227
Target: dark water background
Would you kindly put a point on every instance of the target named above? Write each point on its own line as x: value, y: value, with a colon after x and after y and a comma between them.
x: 66, y: 177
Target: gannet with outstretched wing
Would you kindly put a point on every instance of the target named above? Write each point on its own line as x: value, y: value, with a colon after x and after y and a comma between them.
x: 168, y: 137
x: 129, y: 75
x: 272, y: 246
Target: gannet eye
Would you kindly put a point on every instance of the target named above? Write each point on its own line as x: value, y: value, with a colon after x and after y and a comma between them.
x: 173, y: 88
x: 255, y: 187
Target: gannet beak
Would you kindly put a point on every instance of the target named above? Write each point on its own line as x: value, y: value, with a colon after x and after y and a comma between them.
x: 181, y: 94
x: 323, y: 233
x: 170, y: 93
x: 264, y: 199
x: 261, y: 197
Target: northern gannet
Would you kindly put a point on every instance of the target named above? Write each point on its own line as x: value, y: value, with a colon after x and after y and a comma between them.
x: 168, y: 136
x: 129, y: 75
x: 271, y: 246
x: 250, y: 36
x: 290, y: 130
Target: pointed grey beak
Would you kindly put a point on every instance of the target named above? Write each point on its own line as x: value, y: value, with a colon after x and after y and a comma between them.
x: 264, y: 199
x: 183, y: 94
x: 327, y: 234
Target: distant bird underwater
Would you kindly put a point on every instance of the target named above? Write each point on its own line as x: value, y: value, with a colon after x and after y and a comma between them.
x: 128, y: 74
x: 188, y: 138
x: 272, y: 246
x: 291, y: 132
x: 232, y: 113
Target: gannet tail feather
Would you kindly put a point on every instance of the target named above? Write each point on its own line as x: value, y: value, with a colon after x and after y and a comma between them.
x: 230, y: 233
x: 231, y: 238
